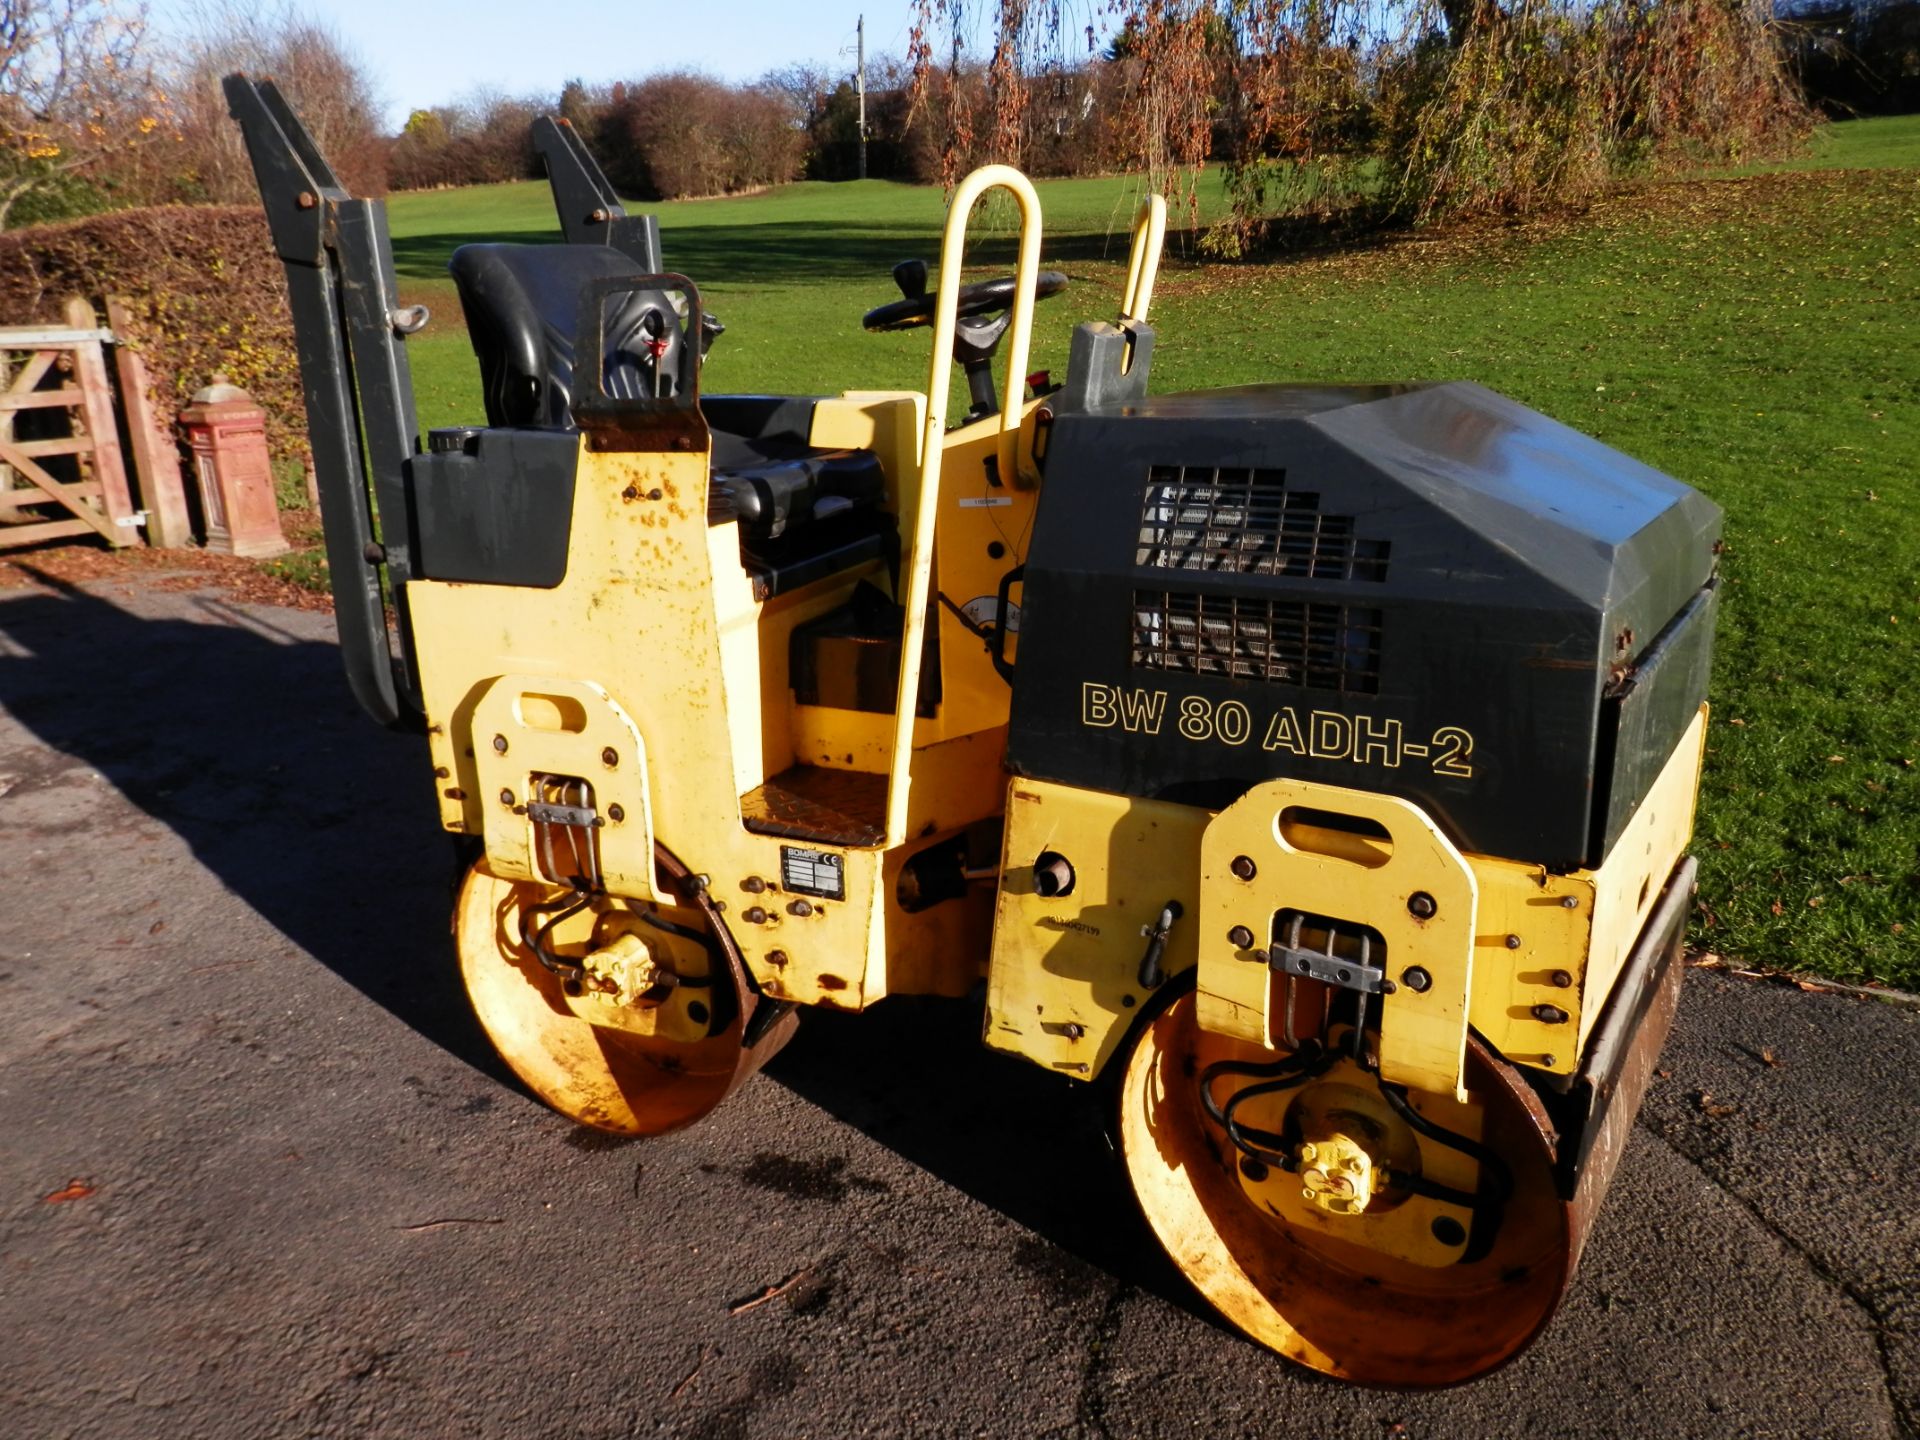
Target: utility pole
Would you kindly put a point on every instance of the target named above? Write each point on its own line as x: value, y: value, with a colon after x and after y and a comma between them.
x: 860, y: 87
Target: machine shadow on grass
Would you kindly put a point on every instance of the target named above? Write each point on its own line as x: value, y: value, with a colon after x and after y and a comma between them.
x: 783, y: 252
x: 241, y: 738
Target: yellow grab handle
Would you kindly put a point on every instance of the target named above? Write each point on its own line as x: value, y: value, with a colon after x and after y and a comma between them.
x: 947, y: 318
x: 918, y: 574
x: 1149, y: 234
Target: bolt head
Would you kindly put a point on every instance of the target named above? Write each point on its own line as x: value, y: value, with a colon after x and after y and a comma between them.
x: 616, y: 813
x: 610, y: 757
x: 1562, y: 980
x: 1254, y: 1170
x: 1513, y: 942
x: 506, y: 797
x: 1421, y: 905
x: 754, y: 915
x: 1416, y: 979
x: 800, y: 908
x: 1243, y: 867
x: 1240, y: 937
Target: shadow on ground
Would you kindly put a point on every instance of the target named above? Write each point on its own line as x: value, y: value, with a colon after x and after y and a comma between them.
x: 239, y: 736
x: 782, y: 252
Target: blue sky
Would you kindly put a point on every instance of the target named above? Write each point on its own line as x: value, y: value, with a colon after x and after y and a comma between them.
x: 427, y: 52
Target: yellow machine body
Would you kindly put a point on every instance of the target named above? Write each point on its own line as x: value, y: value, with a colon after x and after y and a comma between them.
x: 647, y: 696
x: 674, y: 661
x: 1506, y: 939
x: 1369, y: 1086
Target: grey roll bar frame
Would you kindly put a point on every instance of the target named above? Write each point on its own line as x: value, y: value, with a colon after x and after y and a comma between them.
x: 589, y: 210
x: 350, y: 338
x: 349, y: 334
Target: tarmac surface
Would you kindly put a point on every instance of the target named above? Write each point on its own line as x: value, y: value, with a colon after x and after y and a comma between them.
x: 260, y: 1173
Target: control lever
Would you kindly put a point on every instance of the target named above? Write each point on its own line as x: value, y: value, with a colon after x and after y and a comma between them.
x: 1151, y: 973
x: 911, y: 277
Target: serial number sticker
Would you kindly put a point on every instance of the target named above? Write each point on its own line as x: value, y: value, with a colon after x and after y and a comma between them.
x: 987, y: 502
x: 1320, y: 734
x: 813, y: 872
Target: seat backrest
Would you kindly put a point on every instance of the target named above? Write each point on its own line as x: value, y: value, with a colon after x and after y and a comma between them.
x: 522, y: 304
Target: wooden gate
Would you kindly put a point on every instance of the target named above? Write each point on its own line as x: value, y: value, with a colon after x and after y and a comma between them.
x: 65, y: 474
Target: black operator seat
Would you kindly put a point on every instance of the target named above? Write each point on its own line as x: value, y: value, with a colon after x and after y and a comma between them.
x: 522, y: 304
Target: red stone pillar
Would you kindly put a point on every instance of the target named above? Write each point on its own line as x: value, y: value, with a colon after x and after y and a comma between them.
x: 228, y: 433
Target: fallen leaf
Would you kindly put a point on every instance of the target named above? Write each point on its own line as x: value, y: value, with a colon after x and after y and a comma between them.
x: 1816, y: 902
x: 1777, y: 908
x: 1767, y: 1057
x: 73, y: 1190
x: 1715, y: 1111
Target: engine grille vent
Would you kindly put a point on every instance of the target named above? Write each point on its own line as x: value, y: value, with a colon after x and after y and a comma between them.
x: 1247, y: 522
x: 1284, y: 642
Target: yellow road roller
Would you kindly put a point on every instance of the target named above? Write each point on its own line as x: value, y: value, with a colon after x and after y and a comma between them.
x: 1309, y: 766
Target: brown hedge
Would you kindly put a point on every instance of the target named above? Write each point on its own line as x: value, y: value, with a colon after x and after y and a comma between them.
x: 204, y: 292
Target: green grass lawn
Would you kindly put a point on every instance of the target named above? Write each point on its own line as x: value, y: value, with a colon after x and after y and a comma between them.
x: 1755, y: 334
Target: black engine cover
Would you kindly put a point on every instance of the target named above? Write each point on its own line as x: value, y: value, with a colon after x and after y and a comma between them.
x: 1423, y: 590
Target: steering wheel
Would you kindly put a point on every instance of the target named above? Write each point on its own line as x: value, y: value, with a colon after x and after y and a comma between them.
x: 984, y: 298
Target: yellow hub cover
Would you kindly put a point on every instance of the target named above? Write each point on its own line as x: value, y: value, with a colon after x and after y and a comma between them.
x: 1311, y: 1284
x: 634, y: 1070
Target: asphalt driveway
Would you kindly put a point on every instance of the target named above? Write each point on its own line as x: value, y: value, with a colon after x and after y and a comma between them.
x: 260, y: 1173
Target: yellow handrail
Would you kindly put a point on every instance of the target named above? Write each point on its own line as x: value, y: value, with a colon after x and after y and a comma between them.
x: 918, y: 572
x: 1149, y: 234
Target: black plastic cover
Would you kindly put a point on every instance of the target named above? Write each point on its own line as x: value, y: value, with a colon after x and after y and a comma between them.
x: 497, y: 509
x: 1422, y: 590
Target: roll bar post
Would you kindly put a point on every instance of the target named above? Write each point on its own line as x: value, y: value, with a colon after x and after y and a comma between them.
x: 350, y: 335
x: 917, y: 574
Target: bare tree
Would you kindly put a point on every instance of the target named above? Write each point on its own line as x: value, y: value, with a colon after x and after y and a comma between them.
x: 316, y: 69
x: 77, y: 87
x: 1411, y: 109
